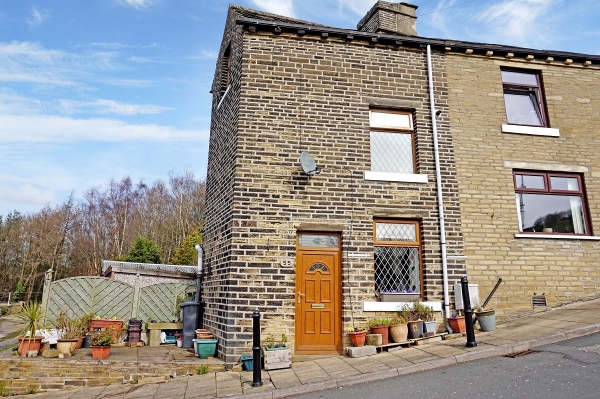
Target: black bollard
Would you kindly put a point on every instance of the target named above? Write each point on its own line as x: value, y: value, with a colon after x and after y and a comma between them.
x: 468, y: 313
x: 256, y: 372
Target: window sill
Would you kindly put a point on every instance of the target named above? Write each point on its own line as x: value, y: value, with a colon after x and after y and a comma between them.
x: 531, y: 130
x: 558, y: 236
x: 375, y: 306
x: 396, y: 177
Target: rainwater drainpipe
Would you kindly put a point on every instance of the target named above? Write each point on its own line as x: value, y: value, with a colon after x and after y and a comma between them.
x: 199, y: 273
x: 438, y: 180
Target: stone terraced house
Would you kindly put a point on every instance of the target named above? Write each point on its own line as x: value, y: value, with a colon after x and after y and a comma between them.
x: 405, y: 131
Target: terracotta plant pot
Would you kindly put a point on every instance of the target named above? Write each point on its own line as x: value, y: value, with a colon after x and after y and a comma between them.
x: 26, y: 345
x: 385, y: 333
x: 79, y: 342
x: 100, y: 352
x: 457, y: 324
x: 399, y: 333
x: 358, y: 338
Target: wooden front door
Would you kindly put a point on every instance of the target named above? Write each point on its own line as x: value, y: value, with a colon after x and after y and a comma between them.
x: 318, y: 294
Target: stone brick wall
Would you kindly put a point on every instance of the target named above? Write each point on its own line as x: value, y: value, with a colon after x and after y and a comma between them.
x: 564, y: 270
x: 20, y: 376
x: 218, y: 233
x: 309, y: 94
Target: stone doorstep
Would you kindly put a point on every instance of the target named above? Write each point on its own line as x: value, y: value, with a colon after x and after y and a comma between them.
x: 361, y: 351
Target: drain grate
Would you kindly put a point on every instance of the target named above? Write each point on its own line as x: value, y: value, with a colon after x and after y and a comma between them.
x: 521, y: 354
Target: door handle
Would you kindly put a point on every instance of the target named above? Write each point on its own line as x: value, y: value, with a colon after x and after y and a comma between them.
x: 299, y: 295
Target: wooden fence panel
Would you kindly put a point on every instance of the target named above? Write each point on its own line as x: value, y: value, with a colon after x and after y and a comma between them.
x: 101, y: 296
x: 109, y: 298
x: 158, y: 301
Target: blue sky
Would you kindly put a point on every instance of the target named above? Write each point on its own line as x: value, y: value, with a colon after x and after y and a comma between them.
x: 98, y: 89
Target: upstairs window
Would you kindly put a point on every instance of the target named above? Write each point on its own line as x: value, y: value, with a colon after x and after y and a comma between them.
x: 392, y: 142
x: 551, y: 203
x: 523, y: 98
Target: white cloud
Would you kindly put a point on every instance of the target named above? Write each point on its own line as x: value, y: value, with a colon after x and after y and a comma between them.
x: 518, y: 21
x: 26, y: 194
x: 37, y: 16
x: 50, y: 128
x: 358, y: 7
x: 138, y: 4
x: 110, y: 107
x: 279, y: 7
x: 204, y: 54
x: 27, y: 62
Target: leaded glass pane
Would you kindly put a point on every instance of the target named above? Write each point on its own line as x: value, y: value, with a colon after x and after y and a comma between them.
x: 392, y: 153
x: 395, y: 232
x: 397, y: 269
x: 318, y: 240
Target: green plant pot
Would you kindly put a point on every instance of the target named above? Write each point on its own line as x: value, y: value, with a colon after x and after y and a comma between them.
x: 206, y: 347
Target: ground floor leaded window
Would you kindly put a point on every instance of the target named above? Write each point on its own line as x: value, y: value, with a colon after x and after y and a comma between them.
x: 397, y: 256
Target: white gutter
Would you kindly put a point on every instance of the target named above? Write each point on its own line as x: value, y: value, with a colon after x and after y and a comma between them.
x: 438, y: 181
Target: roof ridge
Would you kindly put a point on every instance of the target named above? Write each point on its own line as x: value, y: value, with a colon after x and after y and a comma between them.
x: 251, y: 13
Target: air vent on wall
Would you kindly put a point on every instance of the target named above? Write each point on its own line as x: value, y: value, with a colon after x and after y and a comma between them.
x: 539, y: 301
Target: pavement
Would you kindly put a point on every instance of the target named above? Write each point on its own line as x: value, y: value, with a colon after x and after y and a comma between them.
x: 331, y: 372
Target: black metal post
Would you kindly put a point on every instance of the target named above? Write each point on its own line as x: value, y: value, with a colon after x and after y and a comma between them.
x: 464, y: 283
x: 256, y: 369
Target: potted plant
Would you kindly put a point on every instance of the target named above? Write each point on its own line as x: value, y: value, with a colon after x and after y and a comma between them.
x: 357, y: 336
x: 380, y: 326
x: 413, y: 317
x: 69, y: 332
x: 32, y: 314
x: 100, y: 341
x: 277, y: 354
x: 427, y: 314
x: 486, y: 318
x: 457, y: 323
x: 398, y: 329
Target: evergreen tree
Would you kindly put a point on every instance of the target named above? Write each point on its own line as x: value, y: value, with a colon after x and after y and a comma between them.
x: 144, y: 251
x: 186, y: 254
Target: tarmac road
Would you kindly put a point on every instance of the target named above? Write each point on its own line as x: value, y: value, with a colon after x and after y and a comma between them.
x: 569, y: 369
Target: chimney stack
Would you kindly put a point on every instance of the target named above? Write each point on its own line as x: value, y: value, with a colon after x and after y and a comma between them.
x: 393, y: 18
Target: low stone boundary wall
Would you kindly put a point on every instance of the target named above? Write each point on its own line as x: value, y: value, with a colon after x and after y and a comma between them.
x: 19, y: 376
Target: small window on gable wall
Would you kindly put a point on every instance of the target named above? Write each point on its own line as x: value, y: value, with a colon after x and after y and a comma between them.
x: 392, y: 142
x: 524, y: 98
x: 225, y: 69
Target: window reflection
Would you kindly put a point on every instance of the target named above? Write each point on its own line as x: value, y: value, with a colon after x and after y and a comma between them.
x: 551, y: 213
